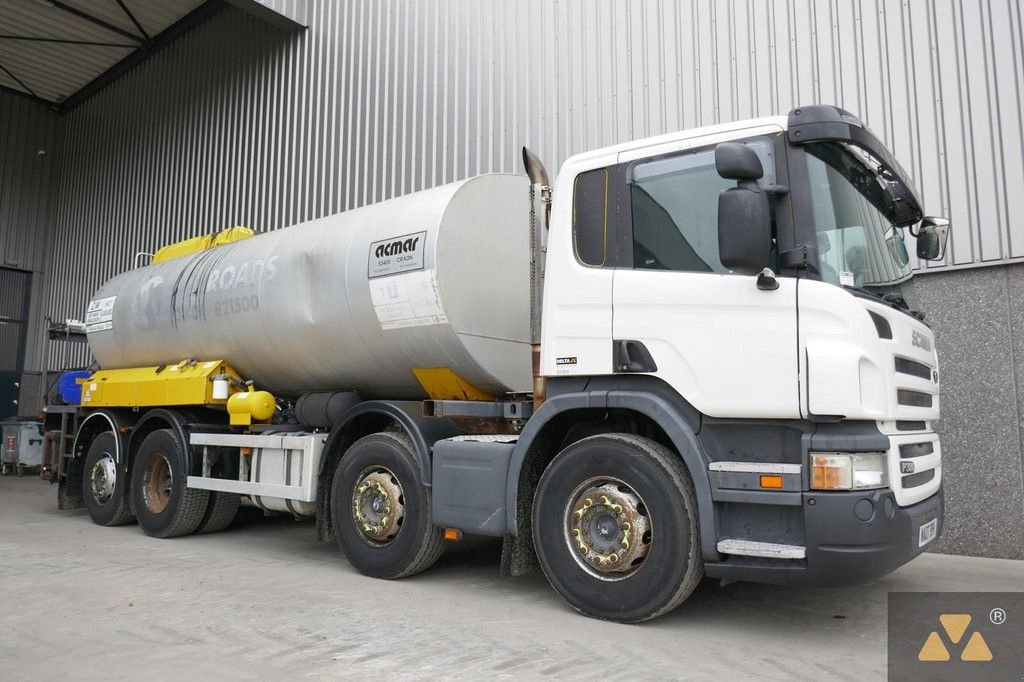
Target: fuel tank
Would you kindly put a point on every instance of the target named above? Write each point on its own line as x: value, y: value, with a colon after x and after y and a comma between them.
x: 353, y: 301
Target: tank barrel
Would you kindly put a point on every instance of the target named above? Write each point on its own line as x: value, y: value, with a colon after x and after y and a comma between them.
x: 354, y: 301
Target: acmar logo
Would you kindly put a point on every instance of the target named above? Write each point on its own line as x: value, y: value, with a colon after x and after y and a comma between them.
x: 396, y: 247
x: 955, y: 625
x: 920, y: 340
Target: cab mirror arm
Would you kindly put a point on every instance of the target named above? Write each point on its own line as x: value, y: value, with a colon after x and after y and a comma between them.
x: 766, y: 280
x: 796, y: 258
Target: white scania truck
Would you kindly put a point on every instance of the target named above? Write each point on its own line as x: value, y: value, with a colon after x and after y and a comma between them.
x: 693, y: 355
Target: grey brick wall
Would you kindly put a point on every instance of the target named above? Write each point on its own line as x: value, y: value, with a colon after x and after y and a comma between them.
x: 978, y: 318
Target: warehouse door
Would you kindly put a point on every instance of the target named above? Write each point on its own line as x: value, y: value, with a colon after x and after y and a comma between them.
x: 14, y: 291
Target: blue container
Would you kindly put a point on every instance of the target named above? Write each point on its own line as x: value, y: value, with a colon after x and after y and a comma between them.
x: 70, y: 389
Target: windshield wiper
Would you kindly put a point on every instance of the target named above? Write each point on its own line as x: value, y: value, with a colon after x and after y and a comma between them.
x: 891, y: 298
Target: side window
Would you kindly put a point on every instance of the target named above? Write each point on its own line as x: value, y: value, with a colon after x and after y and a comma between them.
x: 591, y: 210
x: 674, y: 202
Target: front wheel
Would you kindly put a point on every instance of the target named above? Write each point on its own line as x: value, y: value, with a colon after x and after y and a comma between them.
x: 615, y: 528
x: 381, y: 509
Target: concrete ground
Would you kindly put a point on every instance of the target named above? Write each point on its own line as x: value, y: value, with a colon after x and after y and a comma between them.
x: 265, y: 600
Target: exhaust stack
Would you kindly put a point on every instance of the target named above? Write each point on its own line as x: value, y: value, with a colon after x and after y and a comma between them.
x: 540, y: 198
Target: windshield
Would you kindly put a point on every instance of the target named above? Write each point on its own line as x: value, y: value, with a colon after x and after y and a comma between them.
x: 852, y: 198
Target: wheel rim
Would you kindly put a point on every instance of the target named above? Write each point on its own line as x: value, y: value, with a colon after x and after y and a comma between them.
x: 157, y: 483
x: 378, y: 505
x: 102, y: 478
x: 607, y: 528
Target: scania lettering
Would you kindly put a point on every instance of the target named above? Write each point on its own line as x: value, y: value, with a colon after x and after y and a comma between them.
x: 692, y: 355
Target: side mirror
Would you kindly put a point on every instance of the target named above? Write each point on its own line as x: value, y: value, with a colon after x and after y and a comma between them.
x: 736, y: 161
x: 932, y: 236
x: 744, y: 212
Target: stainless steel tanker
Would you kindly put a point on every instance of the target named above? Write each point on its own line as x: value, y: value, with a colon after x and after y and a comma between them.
x: 353, y: 301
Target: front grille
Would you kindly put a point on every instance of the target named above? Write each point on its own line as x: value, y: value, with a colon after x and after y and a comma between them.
x: 918, y: 479
x: 905, y: 425
x: 915, y: 467
x: 913, y: 368
x: 913, y: 398
x: 912, y: 450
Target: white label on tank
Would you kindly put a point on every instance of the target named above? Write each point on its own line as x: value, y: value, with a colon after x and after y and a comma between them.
x: 409, y: 300
x: 100, y: 315
x: 397, y: 254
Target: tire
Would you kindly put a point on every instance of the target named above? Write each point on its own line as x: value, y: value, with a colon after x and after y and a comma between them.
x: 601, y: 566
x: 105, y: 484
x: 220, y: 512
x: 164, y: 506
x: 403, y: 540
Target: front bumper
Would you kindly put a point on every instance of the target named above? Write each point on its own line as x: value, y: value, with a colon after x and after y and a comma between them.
x: 851, y: 537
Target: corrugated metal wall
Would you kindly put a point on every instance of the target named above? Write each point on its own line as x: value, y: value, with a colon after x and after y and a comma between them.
x: 238, y: 123
x: 295, y: 10
x: 28, y: 134
x: 14, y: 291
x: 29, y: 146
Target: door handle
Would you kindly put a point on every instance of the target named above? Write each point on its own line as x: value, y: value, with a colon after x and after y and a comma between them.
x: 632, y: 356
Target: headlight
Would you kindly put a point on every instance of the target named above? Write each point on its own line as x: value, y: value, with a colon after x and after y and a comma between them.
x: 848, y: 471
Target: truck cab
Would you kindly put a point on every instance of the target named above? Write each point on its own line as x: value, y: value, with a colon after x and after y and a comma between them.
x: 784, y: 328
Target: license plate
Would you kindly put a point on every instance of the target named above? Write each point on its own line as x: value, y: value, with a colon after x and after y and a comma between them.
x: 927, y: 532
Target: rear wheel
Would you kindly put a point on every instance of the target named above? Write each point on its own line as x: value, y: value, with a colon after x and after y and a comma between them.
x: 164, y: 505
x: 105, y: 484
x: 220, y: 512
x: 381, y: 509
x: 615, y: 528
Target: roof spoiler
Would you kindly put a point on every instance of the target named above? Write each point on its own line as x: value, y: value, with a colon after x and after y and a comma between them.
x: 826, y: 123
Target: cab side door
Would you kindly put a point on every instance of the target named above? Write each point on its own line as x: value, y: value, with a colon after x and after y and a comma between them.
x: 728, y: 347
